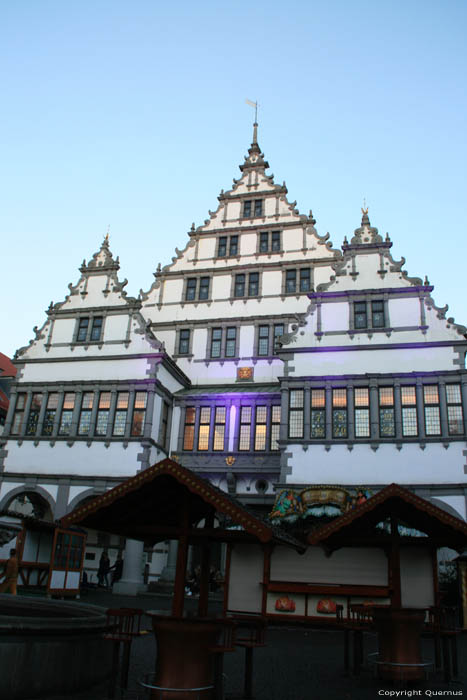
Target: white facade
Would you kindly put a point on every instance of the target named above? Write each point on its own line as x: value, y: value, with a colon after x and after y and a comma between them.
x: 261, y: 358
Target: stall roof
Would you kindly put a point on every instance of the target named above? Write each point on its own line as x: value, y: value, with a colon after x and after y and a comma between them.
x: 394, y: 501
x: 168, y: 500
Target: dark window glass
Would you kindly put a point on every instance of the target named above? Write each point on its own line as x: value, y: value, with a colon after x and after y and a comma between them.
x: 50, y: 411
x: 222, y: 247
x: 139, y: 412
x: 216, y: 342
x: 121, y: 413
x: 189, y: 433
x: 247, y: 208
x: 278, y: 331
x: 82, y: 329
x: 296, y: 413
x: 305, y: 280
x: 258, y: 207
x: 264, y: 242
x: 318, y: 413
x: 230, y: 342
x: 204, y: 288
x: 67, y: 414
x: 290, y: 280
x: 239, y: 290
x: 275, y: 427
x: 263, y: 340
x: 253, y: 284
x: 377, y: 314
x: 96, y: 328
x: 164, y: 424
x: 233, y: 245
x: 191, y: 289
x: 275, y: 241
x: 19, y: 414
x: 360, y: 318
x: 455, y: 414
x: 184, y: 342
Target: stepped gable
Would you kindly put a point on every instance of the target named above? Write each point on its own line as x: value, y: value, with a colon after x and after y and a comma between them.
x: 254, y: 183
x: 97, y: 288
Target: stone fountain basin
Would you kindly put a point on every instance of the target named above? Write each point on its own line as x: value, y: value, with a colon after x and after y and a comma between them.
x: 50, y: 647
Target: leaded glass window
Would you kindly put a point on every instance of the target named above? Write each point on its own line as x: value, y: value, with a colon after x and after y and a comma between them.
x: 455, y: 414
x: 231, y: 342
x: 216, y: 342
x: 189, y: 432
x: 409, y: 411
x: 219, y: 428
x: 191, y: 289
x: 19, y: 414
x: 290, y: 281
x: 239, y: 290
x: 387, y: 426
x: 204, y: 426
x: 33, y: 417
x: 245, y: 428
x: 275, y: 426
x: 279, y: 330
x: 233, y: 245
x: 362, y: 412
x: 305, y: 283
x: 67, y: 413
x: 432, y: 415
x: 204, y: 288
x: 82, y: 329
x: 275, y: 241
x: 318, y: 413
x: 253, y: 284
x: 260, y: 427
x: 263, y: 340
x: 377, y: 314
x: 50, y: 412
x: 184, y: 342
x: 339, y: 413
x: 86, y: 412
x: 96, y: 329
x: 247, y: 208
x: 222, y: 247
x: 296, y: 413
x: 139, y: 413
x: 258, y: 207
x: 121, y: 413
x: 103, y: 413
x: 264, y: 242
x: 360, y: 317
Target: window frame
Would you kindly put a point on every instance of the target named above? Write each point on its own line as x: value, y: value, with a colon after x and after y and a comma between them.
x: 86, y: 327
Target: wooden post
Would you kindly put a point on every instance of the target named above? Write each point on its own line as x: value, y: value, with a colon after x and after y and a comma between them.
x: 267, y: 551
x: 203, y: 602
x: 182, y: 558
x: 395, y: 563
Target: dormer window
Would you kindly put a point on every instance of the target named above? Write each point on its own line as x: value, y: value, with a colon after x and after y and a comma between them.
x: 89, y: 329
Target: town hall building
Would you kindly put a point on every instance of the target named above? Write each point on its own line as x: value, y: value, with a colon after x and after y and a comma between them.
x: 261, y: 357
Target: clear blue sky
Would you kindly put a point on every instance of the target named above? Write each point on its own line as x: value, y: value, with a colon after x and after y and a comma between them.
x: 133, y: 114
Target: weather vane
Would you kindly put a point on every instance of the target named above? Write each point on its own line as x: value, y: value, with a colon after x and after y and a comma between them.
x: 255, y: 105
x: 365, y: 208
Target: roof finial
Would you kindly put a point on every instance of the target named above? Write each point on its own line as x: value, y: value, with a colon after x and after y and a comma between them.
x: 255, y: 125
x: 106, y: 238
x: 364, y: 208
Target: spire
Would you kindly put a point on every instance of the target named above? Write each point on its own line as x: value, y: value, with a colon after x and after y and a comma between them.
x: 255, y: 159
x: 101, y: 261
x: 366, y: 234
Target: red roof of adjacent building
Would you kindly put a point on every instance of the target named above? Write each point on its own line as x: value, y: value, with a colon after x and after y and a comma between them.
x: 7, y: 368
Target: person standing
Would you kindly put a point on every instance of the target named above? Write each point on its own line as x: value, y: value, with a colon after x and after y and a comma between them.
x: 103, y: 571
x: 11, y: 574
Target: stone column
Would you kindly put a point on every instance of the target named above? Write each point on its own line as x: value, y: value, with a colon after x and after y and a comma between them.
x: 131, y: 582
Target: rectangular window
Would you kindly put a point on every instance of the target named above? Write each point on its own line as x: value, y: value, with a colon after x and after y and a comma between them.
x: 260, y: 427
x: 264, y: 242
x: 339, y: 413
x: 233, y: 250
x: 275, y: 241
x: 409, y: 411
x: 360, y: 317
x: 253, y: 284
x: 139, y: 412
x: 455, y: 415
x: 204, y: 426
x: 362, y: 412
x: 290, y: 281
x: 318, y: 413
x: 184, y: 342
x: 222, y: 247
x: 86, y: 412
x: 191, y: 289
x: 387, y: 426
x: 82, y: 330
x: 189, y: 432
x: 204, y: 288
x: 216, y: 342
x: 245, y: 428
x: 377, y: 314
x: 247, y: 209
x: 432, y: 416
x: 275, y: 427
x: 239, y: 290
x: 19, y: 414
x: 103, y: 411
x: 278, y: 332
x: 231, y: 342
x: 263, y: 340
x: 121, y: 413
x: 96, y: 330
x: 33, y: 417
x: 50, y: 412
x: 296, y: 413
x: 305, y: 280
x: 258, y: 207
x: 219, y: 428
x: 67, y: 413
